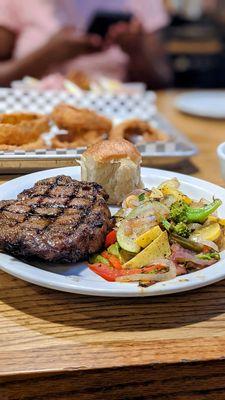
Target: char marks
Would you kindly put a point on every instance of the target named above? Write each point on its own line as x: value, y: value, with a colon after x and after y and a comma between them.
x: 59, y: 219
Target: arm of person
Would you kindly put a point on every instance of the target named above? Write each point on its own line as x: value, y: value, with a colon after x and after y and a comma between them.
x: 149, y: 63
x: 7, y: 40
x: 61, y: 47
x: 35, y: 64
x: 147, y: 58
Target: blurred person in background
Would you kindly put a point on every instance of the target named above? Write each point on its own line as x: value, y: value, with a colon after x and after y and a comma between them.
x: 39, y: 37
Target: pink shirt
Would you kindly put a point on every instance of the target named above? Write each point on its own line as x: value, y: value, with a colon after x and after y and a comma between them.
x: 35, y: 21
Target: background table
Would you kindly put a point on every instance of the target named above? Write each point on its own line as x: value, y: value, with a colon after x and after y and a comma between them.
x: 60, y: 346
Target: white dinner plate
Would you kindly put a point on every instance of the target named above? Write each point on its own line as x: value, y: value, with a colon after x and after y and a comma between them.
x: 77, y: 278
x: 202, y: 103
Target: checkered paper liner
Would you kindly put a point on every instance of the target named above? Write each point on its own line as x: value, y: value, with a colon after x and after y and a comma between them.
x: 117, y: 107
x: 121, y: 105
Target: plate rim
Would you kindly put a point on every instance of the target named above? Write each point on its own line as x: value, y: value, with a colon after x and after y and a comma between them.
x: 85, y: 286
x: 178, y: 103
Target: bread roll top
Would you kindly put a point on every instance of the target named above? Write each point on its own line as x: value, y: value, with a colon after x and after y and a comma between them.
x: 113, y: 150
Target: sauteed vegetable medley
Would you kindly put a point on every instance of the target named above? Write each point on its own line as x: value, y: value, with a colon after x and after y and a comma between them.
x: 160, y: 233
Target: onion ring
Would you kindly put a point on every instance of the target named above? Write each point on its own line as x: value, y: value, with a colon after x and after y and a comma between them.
x: 71, y: 140
x: 77, y: 120
x: 18, y: 129
x: 37, y: 144
x: 137, y: 131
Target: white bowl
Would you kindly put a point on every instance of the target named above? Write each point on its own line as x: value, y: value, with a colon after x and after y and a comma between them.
x: 221, y: 155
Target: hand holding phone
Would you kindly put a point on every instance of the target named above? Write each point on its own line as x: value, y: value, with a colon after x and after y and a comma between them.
x: 103, y: 20
x: 127, y: 35
x: 66, y: 44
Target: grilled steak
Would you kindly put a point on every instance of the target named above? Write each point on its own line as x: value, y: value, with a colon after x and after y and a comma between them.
x: 59, y: 219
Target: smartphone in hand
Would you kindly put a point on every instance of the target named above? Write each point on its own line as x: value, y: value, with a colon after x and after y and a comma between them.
x: 102, y: 20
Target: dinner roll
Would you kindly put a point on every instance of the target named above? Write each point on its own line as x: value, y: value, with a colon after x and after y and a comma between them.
x: 114, y: 164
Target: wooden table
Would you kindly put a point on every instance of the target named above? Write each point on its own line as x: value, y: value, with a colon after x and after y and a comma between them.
x: 61, y: 346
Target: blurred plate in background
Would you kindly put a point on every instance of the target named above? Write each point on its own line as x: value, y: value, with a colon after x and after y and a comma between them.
x: 202, y: 103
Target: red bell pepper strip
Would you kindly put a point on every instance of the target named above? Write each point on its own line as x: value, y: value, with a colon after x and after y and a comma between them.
x: 106, y: 272
x: 110, y: 274
x: 110, y: 238
x: 112, y: 259
x: 152, y: 268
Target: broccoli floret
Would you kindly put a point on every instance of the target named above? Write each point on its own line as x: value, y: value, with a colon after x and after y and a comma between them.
x: 181, y: 229
x: 181, y: 212
x: 178, y: 211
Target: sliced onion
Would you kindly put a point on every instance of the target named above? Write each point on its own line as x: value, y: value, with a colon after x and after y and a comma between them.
x: 172, y: 183
x: 194, y: 226
x: 165, y: 276
x: 209, y: 243
x: 200, y: 203
x: 139, y: 277
x: 137, y: 192
x: 169, y: 200
x: 168, y: 263
x: 130, y: 202
x: 156, y: 194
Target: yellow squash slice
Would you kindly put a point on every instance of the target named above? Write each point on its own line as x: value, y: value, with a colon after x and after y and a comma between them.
x: 159, y: 248
x: 210, y: 232
x: 213, y: 218
x: 146, y: 238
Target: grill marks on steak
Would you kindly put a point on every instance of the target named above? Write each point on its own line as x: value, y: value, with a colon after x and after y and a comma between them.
x: 59, y: 219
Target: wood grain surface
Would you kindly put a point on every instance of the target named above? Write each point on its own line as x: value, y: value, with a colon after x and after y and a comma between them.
x: 61, y: 346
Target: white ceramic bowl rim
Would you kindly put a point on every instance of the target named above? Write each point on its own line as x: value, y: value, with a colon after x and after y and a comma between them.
x: 221, y: 151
